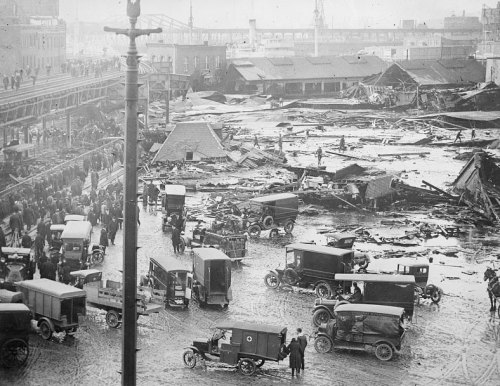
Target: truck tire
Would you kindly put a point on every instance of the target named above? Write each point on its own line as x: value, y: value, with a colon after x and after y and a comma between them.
x: 254, y: 231
x: 290, y: 276
x: 189, y: 358
x: 113, y: 319
x: 268, y: 222
x: 45, y: 330
x: 384, y: 351
x: 321, y: 316
x: 288, y: 227
x: 323, y: 290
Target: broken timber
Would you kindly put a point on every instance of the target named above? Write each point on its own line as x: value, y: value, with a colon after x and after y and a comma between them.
x: 350, y: 156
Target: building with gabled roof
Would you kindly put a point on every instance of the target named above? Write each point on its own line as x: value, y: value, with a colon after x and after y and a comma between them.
x: 191, y: 141
x: 410, y: 74
x: 300, y: 76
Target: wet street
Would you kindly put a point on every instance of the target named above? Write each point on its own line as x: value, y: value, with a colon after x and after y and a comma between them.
x: 453, y: 343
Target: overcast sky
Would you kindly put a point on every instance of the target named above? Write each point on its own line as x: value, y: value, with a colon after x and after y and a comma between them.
x: 281, y: 13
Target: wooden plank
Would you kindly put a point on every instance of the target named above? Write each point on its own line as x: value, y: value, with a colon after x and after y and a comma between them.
x: 439, y: 190
x: 350, y: 156
x: 400, y: 154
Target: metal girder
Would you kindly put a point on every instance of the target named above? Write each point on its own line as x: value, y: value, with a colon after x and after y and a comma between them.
x: 58, y: 102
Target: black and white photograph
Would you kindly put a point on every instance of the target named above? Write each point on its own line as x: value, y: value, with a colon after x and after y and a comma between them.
x: 249, y: 192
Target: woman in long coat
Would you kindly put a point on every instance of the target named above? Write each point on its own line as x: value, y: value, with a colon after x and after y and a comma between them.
x: 295, y: 356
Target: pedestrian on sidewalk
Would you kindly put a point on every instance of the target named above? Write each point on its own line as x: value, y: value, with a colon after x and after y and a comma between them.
x: 103, y: 240
x: 176, y: 238
x: 295, y: 357
x: 113, y: 228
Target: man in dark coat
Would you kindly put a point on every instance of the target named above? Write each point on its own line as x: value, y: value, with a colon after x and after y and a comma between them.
x: 295, y: 356
x: 16, y: 223
x: 302, y: 339
x: 103, y: 240
x: 113, y: 228
x: 26, y: 241
x: 28, y: 217
x: 40, y: 228
x: 39, y: 245
x: 48, y: 270
x: 3, y: 241
x: 176, y: 238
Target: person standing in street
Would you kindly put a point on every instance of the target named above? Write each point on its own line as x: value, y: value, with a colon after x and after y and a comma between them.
x: 458, y: 137
x: 342, y: 144
x: 295, y: 357
x: 176, y: 238
x: 113, y: 228
x: 280, y: 143
x: 302, y: 339
x: 256, y: 141
x: 26, y: 241
x: 473, y: 134
x: 319, y: 154
x: 103, y: 240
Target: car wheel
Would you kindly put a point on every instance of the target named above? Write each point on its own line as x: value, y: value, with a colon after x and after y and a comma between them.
x: 254, y: 231
x: 45, y: 330
x: 289, y: 225
x: 324, y: 290
x: 259, y: 363
x: 14, y: 352
x: 320, y: 317
x: 247, y: 366
x: 273, y: 234
x: 290, y: 276
x: 436, y: 295
x: 383, y: 351
x: 113, y: 319
x: 189, y: 358
x: 271, y: 280
x: 323, y: 344
x: 97, y: 257
x: 268, y: 222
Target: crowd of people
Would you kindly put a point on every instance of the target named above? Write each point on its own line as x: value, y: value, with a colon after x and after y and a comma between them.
x: 74, y: 67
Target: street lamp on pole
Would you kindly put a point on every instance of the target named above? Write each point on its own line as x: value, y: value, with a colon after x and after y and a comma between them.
x: 129, y: 331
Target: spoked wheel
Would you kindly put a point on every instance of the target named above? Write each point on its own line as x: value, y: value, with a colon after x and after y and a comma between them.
x: 268, y: 222
x: 273, y: 234
x: 289, y: 225
x: 324, y: 290
x: 436, y: 295
x: 247, y: 366
x: 254, y: 231
x: 320, y: 317
x: 45, y: 330
x: 322, y: 344
x: 383, y: 351
x: 97, y: 257
x: 271, y: 280
x: 189, y: 358
x: 260, y: 362
x: 113, y: 319
x: 14, y: 352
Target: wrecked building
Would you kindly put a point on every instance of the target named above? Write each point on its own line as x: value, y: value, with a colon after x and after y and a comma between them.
x: 300, y: 76
x: 479, y: 185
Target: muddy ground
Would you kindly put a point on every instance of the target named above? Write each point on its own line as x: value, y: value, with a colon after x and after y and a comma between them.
x: 453, y: 343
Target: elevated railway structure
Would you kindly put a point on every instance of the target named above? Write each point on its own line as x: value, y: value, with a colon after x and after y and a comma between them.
x: 60, y: 95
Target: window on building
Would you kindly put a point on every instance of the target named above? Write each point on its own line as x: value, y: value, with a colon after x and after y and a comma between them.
x: 189, y: 155
x: 186, y: 64
x: 217, y: 62
x: 206, y: 63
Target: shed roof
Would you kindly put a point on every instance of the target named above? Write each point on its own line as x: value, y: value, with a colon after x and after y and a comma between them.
x: 371, y: 308
x: 432, y: 73
x: 51, y: 287
x: 210, y: 254
x: 372, y: 277
x: 319, y: 249
x: 196, y: 137
x: 326, y: 67
x: 247, y: 326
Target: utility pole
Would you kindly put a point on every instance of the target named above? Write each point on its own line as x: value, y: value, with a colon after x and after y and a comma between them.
x: 129, y: 330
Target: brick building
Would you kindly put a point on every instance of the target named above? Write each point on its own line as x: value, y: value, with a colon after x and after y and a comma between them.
x: 31, y: 34
x: 204, y: 63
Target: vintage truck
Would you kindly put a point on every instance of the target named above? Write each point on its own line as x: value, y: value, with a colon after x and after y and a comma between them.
x: 110, y: 299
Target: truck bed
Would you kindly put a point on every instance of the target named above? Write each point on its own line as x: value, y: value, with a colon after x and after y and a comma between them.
x: 111, y: 297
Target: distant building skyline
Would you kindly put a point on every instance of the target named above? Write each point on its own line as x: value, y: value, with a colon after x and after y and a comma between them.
x: 282, y: 13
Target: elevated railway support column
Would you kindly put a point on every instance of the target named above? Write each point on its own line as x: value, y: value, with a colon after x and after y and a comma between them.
x: 68, y: 127
x: 44, y: 130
